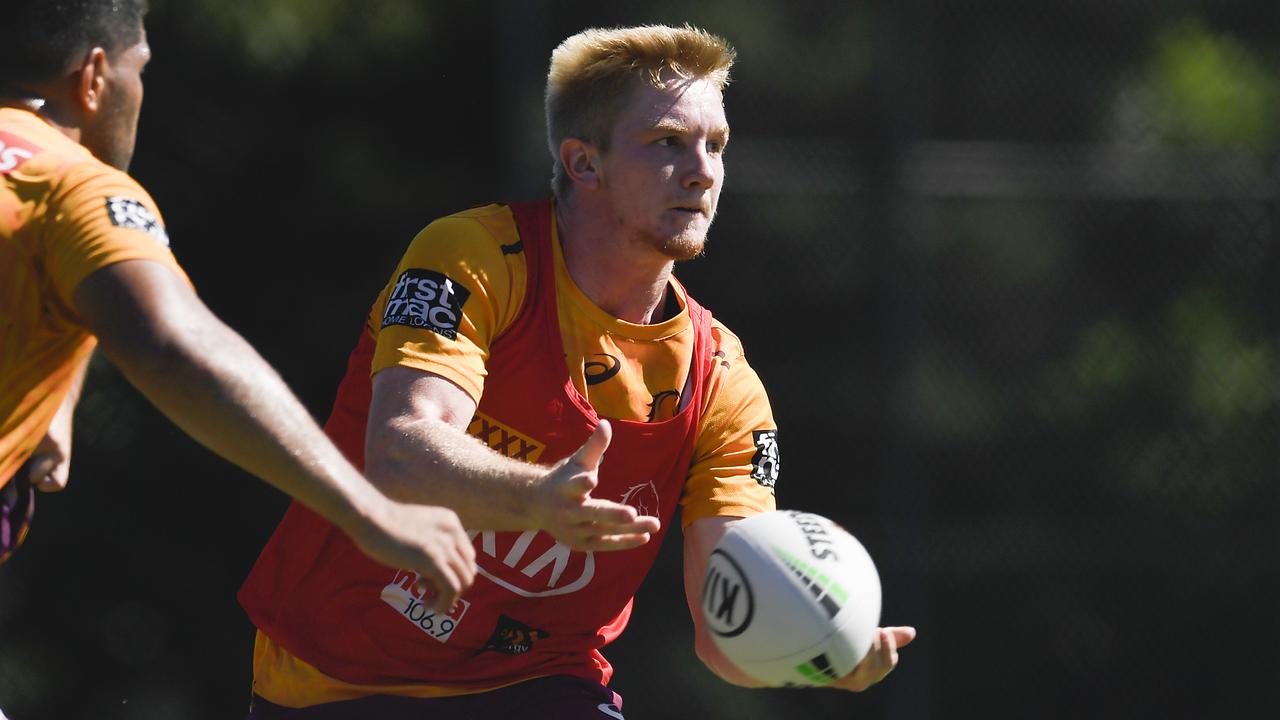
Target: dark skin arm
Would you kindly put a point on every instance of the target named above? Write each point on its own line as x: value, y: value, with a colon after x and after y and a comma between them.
x: 206, y: 379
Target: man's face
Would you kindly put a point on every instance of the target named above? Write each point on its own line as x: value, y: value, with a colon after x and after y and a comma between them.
x: 113, y: 131
x: 665, y: 165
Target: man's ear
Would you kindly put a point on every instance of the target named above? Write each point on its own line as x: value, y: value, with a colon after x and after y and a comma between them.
x: 90, y: 80
x: 581, y: 161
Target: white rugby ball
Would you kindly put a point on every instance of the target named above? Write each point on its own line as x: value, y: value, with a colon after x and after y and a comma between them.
x: 791, y: 598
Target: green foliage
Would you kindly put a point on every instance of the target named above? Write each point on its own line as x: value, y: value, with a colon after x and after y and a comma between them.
x: 783, y: 50
x: 279, y: 36
x: 1201, y: 87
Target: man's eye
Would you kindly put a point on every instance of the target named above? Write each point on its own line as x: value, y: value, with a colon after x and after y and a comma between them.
x: 668, y: 141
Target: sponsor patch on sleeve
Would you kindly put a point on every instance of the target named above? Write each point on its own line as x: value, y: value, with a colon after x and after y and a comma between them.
x: 766, y: 463
x: 426, y: 299
x: 129, y: 213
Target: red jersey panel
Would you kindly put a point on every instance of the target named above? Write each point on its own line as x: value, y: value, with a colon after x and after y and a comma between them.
x: 537, y: 608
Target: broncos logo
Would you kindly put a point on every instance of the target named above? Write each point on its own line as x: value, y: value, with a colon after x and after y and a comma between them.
x: 664, y: 405
x: 513, y: 637
x: 644, y: 498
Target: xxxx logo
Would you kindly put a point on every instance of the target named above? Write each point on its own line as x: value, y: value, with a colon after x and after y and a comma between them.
x: 505, y: 439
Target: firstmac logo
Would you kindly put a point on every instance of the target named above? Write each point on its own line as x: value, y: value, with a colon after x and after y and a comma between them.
x: 426, y: 299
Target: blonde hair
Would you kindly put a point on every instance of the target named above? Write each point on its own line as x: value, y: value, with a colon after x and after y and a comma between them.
x: 593, y: 72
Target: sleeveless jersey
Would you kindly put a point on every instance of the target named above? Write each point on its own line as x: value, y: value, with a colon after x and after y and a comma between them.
x: 536, y: 608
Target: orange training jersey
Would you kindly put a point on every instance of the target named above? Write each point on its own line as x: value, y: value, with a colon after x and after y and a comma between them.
x: 472, y: 264
x: 63, y: 215
x: 626, y: 371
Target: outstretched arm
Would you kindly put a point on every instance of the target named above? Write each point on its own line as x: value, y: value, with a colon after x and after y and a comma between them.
x: 700, y: 539
x: 417, y: 450
x: 212, y: 384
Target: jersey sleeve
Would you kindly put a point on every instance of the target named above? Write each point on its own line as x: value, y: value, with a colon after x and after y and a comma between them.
x: 453, y: 292
x: 98, y: 217
x: 736, y: 459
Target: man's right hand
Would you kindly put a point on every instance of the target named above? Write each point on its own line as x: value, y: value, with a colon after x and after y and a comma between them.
x: 565, y: 509
x: 426, y: 539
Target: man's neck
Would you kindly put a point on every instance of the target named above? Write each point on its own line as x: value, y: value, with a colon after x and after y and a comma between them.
x: 15, y: 100
x: 42, y: 109
x: 623, y: 277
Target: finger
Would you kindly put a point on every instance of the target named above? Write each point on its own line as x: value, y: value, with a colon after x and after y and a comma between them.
x: 447, y: 587
x: 429, y: 590
x: 613, y: 543
x: 889, y: 650
x: 604, y: 511
x: 41, y: 466
x: 464, y: 565
x: 903, y: 635
x: 466, y: 550
x: 642, y: 524
x: 48, y: 474
x: 588, y: 456
x: 579, y: 485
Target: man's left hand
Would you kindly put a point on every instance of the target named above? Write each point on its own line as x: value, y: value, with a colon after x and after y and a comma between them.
x: 50, y: 465
x: 881, y: 659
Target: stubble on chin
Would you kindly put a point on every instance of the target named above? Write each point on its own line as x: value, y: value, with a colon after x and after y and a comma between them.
x: 687, y: 245
x: 684, y: 247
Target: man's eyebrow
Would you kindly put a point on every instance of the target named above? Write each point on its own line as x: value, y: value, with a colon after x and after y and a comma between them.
x: 670, y: 125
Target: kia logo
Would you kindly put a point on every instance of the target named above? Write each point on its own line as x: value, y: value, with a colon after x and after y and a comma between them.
x: 531, y: 563
x: 727, y: 603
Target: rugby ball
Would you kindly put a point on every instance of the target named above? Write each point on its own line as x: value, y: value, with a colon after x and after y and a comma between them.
x: 791, y: 598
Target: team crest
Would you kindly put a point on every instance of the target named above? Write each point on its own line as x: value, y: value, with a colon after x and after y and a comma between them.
x: 642, y: 497
x: 513, y: 637
x: 766, y: 464
x: 129, y: 213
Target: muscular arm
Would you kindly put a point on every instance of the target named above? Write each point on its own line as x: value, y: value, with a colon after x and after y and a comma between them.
x: 700, y: 539
x: 417, y: 450
x: 212, y: 384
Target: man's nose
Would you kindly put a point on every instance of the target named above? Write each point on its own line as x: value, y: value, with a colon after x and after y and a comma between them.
x: 702, y: 168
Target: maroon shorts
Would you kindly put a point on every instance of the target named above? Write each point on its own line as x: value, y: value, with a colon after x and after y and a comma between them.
x: 558, y: 697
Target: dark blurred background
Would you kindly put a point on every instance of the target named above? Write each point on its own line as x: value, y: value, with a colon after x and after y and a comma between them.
x: 1010, y: 271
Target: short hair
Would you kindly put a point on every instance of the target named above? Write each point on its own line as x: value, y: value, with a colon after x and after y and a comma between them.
x: 44, y: 38
x: 593, y: 73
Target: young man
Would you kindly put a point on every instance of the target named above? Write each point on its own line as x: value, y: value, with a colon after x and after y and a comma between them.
x: 503, y: 341
x: 84, y: 259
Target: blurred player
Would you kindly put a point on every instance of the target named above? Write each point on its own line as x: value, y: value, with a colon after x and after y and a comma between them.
x: 500, y: 345
x: 84, y: 259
